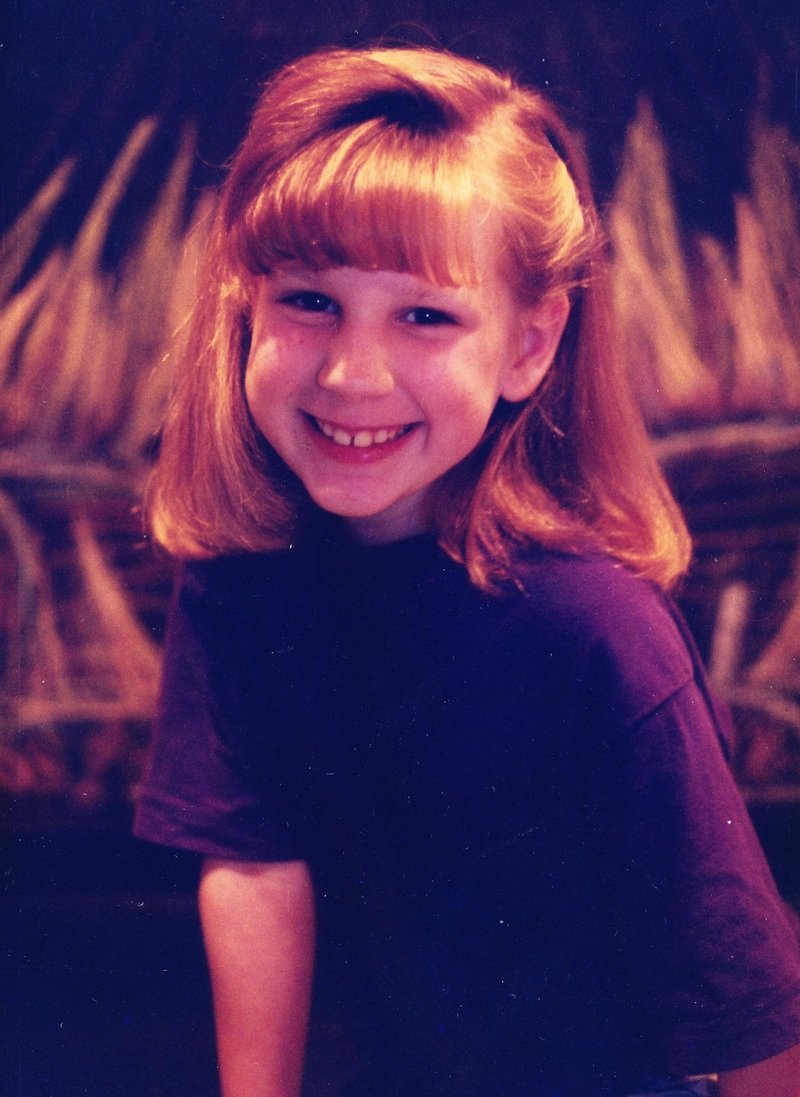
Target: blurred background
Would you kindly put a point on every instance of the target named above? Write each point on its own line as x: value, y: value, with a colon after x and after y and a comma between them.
x: 119, y: 118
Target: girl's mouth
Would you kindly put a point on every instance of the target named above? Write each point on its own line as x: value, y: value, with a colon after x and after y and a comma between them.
x: 362, y: 438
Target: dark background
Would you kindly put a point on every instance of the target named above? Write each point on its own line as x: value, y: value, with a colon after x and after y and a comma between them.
x: 104, y: 990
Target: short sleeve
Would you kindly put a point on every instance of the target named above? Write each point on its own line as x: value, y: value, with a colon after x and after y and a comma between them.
x: 195, y: 794
x: 707, y: 939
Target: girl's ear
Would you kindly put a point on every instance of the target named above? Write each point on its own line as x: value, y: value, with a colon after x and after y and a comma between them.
x: 541, y: 329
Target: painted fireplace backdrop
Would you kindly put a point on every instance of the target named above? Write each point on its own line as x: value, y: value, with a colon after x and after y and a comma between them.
x: 97, y: 271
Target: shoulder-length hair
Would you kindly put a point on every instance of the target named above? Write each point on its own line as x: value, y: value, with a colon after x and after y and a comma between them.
x: 376, y: 159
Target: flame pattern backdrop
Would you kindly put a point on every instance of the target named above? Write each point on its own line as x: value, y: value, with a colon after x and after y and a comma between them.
x: 691, y: 122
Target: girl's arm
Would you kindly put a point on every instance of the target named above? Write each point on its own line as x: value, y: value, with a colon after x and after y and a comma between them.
x: 258, y: 927
x: 776, y: 1077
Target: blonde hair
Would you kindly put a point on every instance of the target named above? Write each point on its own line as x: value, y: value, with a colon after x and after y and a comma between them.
x: 372, y: 159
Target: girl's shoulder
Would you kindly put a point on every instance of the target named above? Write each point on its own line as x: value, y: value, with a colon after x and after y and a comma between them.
x: 619, y: 629
x: 592, y: 592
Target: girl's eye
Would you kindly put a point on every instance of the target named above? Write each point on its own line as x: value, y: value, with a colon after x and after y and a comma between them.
x: 310, y: 301
x: 428, y: 317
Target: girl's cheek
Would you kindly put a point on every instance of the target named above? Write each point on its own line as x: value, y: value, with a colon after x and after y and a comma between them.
x: 258, y: 381
x: 265, y: 360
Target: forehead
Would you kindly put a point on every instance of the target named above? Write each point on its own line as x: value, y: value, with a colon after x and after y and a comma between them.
x: 428, y: 209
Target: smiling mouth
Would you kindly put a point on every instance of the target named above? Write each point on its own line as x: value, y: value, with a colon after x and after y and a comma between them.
x: 362, y: 438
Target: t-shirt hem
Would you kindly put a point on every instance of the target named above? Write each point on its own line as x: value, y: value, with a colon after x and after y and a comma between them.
x: 734, y: 1047
x: 167, y: 828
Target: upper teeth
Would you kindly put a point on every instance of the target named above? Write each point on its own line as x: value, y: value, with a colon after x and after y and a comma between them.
x: 360, y: 438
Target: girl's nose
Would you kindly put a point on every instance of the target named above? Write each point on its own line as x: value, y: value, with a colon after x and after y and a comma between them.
x: 356, y: 368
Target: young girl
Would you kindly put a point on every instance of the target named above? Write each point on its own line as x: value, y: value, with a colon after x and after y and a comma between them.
x: 425, y: 707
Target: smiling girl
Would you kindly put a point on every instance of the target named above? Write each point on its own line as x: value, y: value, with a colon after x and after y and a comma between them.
x: 443, y: 741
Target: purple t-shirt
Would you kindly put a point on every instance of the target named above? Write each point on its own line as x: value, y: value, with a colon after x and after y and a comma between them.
x: 534, y: 874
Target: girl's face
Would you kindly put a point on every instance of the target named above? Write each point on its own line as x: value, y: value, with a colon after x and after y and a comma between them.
x: 371, y: 385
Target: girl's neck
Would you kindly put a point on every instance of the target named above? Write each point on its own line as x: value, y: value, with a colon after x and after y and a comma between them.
x: 404, y: 519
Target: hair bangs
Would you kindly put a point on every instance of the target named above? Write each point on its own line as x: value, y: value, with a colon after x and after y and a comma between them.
x: 375, y: 198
